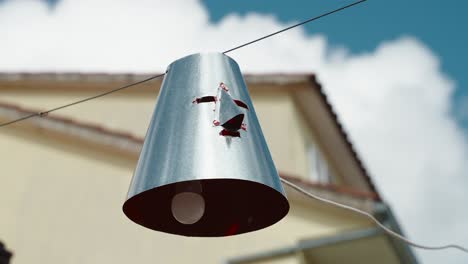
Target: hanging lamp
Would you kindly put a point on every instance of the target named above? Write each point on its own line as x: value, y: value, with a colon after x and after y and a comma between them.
x: 205, y: 168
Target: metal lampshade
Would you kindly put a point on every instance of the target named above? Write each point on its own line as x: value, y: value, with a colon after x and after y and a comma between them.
x: 205, y: 168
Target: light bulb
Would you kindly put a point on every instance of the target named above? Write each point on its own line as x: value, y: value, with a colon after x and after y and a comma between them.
x: 188, y: 207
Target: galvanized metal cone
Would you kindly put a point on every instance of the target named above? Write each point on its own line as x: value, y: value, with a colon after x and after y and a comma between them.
x: 189, y: 150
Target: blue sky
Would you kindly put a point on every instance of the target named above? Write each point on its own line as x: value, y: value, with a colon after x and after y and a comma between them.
x: 438, y: 24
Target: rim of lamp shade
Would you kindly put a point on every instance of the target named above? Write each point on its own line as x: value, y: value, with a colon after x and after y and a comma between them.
x: 240, y: 206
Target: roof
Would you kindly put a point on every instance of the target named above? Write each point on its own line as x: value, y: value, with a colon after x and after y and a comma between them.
x: 344, y: 135
x: 127, y: 142
x: 105, y: 81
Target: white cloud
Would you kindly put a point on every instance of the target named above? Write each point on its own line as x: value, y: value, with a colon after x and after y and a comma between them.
x: 394, y: 101
x: 396, y: 104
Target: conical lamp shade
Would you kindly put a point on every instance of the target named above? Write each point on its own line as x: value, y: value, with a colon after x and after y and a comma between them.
x: 205, y: 168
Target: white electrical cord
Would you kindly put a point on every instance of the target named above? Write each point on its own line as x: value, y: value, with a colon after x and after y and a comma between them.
x: 371, y: 217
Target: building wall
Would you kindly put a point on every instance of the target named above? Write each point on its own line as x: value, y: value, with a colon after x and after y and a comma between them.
x: 61, y: 202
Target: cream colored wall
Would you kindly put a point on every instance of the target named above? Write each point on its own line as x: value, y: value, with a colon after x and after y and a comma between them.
x: 62, y: 204
x: 281, y: 122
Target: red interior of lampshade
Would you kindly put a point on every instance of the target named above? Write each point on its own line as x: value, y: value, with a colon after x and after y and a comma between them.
x: 232, y: 207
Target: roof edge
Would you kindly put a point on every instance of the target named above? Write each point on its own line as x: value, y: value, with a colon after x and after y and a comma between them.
x: 340, y: 128
x: 132, y: 144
